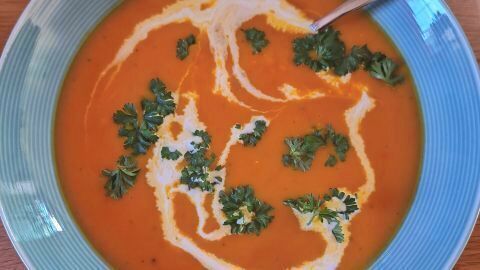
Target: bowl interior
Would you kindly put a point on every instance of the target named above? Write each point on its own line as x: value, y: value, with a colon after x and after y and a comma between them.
x: 47, y: 37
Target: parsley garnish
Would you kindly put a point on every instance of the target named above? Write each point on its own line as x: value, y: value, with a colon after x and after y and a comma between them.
x: 257, y: 39
x: 340, y: 142
x: 302, y: 150
x: 170, y: 155
x: 350, y: 63
x: 305, y: 204
x: 316, y: 206
x: 319, y: 51
x: 251, y: 139
x: 325, y: 50
x: 141, y: 135
x: 121, y: 179
x: 349, y: 201
x: 138, y: 136
x: 245, y: 213
x: 331, y: 161
x: 338, y: 233
x: 183, y: 46
x: 163, y: 98
x: 196, y: 173
x: 383, y: 68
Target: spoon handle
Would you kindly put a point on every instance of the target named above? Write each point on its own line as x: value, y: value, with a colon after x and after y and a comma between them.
x: 344, y: 8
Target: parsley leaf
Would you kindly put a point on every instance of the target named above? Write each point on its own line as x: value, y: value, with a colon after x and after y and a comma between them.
x: 350, y: 202
x: 350, y: 63
x: 170, y: 155
x: 384, y: 69
x: 163, y: 97
x: 151, y: 114
x: 340, y: 142
x: 126, y: 116
x: 304, y: 204
x: 183, y: 46
x: 338, y: 233
x: 196, y: 173
x: 309, y: 204
x: 141, y: 135
x: 251, y: 139
x: 257, y: 39
x: 331, y: 161
x: 301, y: 151
x: 245, y: 213
x: 121, y: 179
x: 319, y: 51
x: 138, y: 138
x: 325, y: 50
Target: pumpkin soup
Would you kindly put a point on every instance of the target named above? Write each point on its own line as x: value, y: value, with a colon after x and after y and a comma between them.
x: 238, y: 140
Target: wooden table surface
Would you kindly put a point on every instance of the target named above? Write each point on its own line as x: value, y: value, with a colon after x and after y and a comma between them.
x: 467, y: 12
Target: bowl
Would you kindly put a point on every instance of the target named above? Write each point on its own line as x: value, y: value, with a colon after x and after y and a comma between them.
x: 47, y: 37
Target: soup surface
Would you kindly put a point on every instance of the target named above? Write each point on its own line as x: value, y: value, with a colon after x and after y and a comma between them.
x: 225, y: 89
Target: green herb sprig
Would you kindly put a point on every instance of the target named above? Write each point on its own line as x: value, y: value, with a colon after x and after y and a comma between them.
x: 316, y: 206
x: 325, y: 50
x: 251, y: 139
x: 140, y: 135
x: 245, y: 213
x: 196, y: 173
x: 256, y: 38
x: 319, y: 51
x: 302, y: 150
x: 122, y: 178
x: 170, y: 155
x: 183, y: 46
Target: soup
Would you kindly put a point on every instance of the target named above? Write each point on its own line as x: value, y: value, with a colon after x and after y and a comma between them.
x: 317, y: 138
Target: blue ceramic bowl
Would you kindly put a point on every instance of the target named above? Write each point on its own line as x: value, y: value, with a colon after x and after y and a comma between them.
x: 47, y: 37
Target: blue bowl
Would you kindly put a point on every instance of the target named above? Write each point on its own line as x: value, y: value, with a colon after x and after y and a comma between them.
x: 49, y: 34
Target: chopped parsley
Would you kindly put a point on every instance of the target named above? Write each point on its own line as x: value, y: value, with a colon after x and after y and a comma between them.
x: 325, y: 50
x: 340, y: 142
x: 316, y: 206
x: 170, y: 155
x: 183, y: 46
x: 383, y: 68
x: 196, y: 173
x: 331, y: 161
x: 122, y: 178
x: 251, y: 139
x: 140, y: 135
x: 257, y: 39
x: 302, y: 150
x: 319, y: 51
x: 338, y: 233
x: 163, y: 98
x: 244, y: 212
x: 358, y: 56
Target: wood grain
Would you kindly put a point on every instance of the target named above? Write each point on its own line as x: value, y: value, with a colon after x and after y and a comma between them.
x: 467, y: 12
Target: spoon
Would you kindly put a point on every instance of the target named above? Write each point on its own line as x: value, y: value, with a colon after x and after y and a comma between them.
x: 349, y: 5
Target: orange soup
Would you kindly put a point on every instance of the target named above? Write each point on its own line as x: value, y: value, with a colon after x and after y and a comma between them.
x: 246, y: 142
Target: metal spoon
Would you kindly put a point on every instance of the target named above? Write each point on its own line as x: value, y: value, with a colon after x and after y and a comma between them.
x: 343, y: 9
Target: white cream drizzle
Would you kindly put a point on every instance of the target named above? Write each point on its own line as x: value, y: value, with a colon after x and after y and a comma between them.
x: 221, y: 20
x: 334, y: 251
x: 164, y: 176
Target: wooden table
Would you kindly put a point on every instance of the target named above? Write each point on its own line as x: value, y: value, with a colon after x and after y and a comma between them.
x: 468, y: 13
